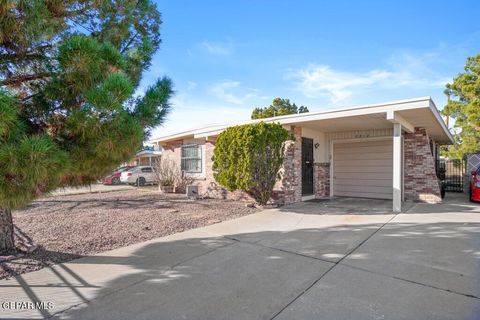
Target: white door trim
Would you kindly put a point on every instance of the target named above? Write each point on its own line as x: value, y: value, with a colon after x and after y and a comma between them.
x: 309, y: 197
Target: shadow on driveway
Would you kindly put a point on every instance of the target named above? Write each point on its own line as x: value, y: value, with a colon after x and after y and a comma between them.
x: 345, y: 205
x: 400, y: 270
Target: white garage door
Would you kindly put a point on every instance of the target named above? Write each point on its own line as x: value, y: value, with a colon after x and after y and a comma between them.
x: 363, y: 169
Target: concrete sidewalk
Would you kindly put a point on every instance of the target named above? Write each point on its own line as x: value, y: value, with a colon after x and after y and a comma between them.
x: 291, y: 263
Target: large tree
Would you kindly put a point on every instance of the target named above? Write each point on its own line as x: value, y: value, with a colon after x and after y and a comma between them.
x: 279, y: 107
x: 68, y: 72
x: 464, y: 107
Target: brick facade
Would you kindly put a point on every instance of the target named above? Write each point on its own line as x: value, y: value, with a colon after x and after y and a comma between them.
x: 207, y: 186
x: 287, y: 190
x: 291, y: 181
x: 420, y: 178
x: 321, y: 179
x: 420, y: 182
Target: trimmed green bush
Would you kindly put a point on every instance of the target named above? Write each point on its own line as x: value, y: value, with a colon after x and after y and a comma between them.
x: 249, y: 158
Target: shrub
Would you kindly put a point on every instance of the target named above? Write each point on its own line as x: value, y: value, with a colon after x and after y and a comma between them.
x: 168, y: 174
x: 165, y: 172
x: 249, y: 158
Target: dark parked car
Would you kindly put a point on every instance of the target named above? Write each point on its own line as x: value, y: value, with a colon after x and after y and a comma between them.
x: 475, y: 186
x: 114, y: 178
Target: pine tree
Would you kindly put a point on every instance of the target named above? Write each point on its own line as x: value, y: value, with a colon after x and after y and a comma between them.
x: 68, y: 114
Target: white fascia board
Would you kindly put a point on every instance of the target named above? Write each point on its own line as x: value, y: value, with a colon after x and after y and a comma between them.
x: 422, y: 102
x: 181, y: 135
x: 436, y: 113
x: 184, y: 134
x: 149, y: 153
x: 334, y: 114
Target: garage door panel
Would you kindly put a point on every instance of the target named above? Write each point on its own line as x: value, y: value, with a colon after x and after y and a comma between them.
x: 364, y: 195
x: 361, y: 176
x: 370, y: 182
x: 380, y: 142
x: 363, y: 169
x: 363, y: 156
x: 363, y: 163
x: 352, y: 188
x: 373, y: 149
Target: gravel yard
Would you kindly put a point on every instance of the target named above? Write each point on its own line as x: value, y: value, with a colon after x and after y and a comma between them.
x: 68, y: 227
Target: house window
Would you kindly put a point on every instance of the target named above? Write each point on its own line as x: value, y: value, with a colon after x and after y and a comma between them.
x: 192, y: 158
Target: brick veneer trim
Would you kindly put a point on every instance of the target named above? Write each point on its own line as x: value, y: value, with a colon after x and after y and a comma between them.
x: 321, y: 176
x: 420, y: 178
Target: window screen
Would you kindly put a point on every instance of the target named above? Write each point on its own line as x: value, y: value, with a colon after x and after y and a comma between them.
x: 191, y: 158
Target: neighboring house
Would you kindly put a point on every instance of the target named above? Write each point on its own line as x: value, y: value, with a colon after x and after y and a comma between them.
x: 382, y: 151
x: 148, y: 156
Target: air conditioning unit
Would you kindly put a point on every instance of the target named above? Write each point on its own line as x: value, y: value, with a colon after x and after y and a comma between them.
x: 192, y: 191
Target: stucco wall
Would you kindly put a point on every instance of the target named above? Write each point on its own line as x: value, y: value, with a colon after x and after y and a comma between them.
x: 319, y: 154
x: 354, y: 134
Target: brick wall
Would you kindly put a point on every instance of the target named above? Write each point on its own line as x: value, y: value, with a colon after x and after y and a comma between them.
x: 207, y: 186
x: 321, y: 179
x: 420, y: 182
x: 290, y: 186
x: 287, y: 190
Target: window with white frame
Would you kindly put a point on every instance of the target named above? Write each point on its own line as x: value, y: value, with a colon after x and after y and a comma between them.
x: 192, y: 158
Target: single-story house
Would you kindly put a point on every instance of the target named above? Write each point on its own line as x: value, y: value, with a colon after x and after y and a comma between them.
x: 383, y: 151
x: 147, y: 156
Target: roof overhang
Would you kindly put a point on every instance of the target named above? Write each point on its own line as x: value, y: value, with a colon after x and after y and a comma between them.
x: 420, y: 112
x: 146, y: 153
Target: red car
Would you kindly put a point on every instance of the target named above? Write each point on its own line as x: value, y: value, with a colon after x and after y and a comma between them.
x: 475, y: 186
x: 114, y: 178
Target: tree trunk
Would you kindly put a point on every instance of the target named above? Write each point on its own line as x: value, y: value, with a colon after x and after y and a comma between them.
x: 7, y: 244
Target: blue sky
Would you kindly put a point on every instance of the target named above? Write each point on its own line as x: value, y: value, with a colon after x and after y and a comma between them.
x: 227, y: 57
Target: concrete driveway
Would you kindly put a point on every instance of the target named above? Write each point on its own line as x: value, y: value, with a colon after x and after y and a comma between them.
x: 314, y: 260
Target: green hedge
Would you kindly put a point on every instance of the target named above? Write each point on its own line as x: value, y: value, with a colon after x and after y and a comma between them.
x: 249, y: 158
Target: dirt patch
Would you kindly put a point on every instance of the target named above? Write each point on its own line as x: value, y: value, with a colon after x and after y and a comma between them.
x: 69, y: 227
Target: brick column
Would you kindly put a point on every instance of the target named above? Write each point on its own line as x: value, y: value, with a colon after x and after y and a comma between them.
x: 321, y: 179
x: 420, y: 178
x: 291, y: 184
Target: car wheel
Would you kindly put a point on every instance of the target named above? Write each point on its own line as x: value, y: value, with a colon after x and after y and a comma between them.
x: 141, y: 181
x: 115, y: 180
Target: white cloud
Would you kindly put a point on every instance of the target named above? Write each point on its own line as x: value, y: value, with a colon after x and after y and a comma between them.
x: 190, y: 112
x: 404, y: 70
x: 231, y: 92
x: 322, y: 80
x: 191, y: 85
x: 217, y: 48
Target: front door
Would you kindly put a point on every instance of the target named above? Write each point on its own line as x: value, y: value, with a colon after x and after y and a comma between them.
x: 307, y: 166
